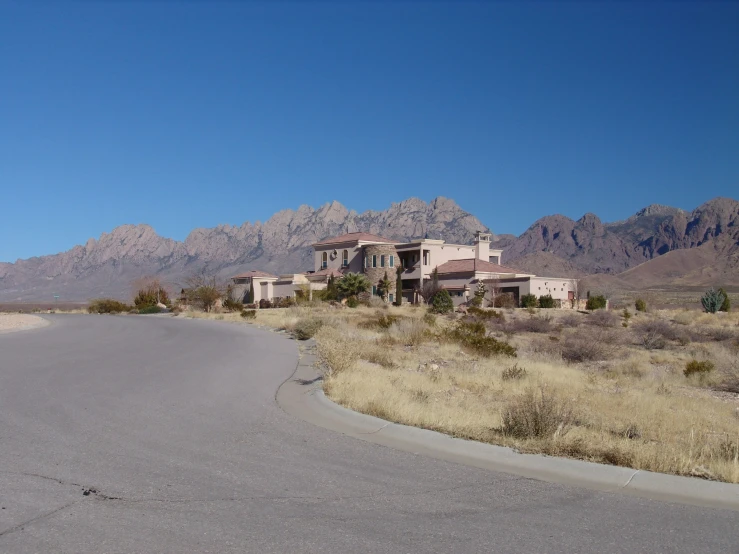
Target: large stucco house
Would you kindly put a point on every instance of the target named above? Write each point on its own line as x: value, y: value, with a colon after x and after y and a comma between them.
x: 460, y: 268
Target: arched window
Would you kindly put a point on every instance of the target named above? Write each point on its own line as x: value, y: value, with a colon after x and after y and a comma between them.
x: 324, y: 260
x: 345, y: 259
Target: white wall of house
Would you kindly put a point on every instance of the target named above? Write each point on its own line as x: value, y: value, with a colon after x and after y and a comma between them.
x: 560, y: 289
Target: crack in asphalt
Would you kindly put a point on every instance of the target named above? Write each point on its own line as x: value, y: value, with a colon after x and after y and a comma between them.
x: 22, y: 525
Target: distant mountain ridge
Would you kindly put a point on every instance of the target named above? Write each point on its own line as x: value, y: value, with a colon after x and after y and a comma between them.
x: 554, y: 245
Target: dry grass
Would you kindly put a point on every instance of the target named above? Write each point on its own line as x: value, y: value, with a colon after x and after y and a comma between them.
x: 583, y: 389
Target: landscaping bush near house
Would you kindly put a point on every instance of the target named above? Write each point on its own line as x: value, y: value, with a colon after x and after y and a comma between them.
x: 232, y: 305
x: 596, y: 303
x: 547, y: 301
x: 249, y: 314
x: 107, y: 306
x: 529, y: 301
x: 698, y: 367
x: 264, y: 304
x: 150, y: 310
x: 640, y: 305
x: 504, y: 300
x: 442, y: 303
x: 536, y: 414
x: 306, y: 328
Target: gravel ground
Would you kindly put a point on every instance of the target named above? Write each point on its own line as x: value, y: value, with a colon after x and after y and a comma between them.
x: 19, y: 322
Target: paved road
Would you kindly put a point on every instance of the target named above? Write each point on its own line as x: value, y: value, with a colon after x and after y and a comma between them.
x: 133, y: 434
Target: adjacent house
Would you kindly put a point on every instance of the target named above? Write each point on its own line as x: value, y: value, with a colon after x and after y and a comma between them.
x: 460, y: 268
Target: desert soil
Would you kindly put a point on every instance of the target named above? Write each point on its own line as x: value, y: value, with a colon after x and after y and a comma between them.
x: 19, y: 322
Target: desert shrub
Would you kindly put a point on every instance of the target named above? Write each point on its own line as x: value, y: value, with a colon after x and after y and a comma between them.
x: 514, y: 372
x: 107, y: 306
x: 640, y: 305
x: 150, y: 310
x: 546, y: 301
x: 249, y: 314
x: 504, y: 300
x: 571, y: 320
x: 264, y: 304
x: 471, y: 336
x: 596, y: 303
x: 147, y: 296
x: 485, y: 314
x: 654, y: 334
x: 380, y: 320
x: 352, y: 302
x: 712, y: 300
x: 726, y: 304
x: 596, y: 345
x: 441, y: 303
x: 306, y: 328
x: 698, y: 366
x: 285, y: 302
x: 377, y: 302
x: 531, y: 324
x: 409, y: 331
x: 603, y: 318
x: 529, y: 301
x: 718, y: 334
x: 232, y: 305
x: 429, y: 319
x: 535, y: 414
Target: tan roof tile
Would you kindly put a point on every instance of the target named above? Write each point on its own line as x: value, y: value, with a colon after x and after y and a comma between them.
x: 351, y: 237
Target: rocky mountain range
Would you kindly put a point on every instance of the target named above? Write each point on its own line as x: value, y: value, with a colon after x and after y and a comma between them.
x: 707, y: 239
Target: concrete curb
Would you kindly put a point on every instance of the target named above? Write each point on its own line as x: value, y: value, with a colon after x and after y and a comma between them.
x: 302, y: 397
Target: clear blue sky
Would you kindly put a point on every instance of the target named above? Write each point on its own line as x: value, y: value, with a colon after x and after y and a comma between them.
x: 192, y: 114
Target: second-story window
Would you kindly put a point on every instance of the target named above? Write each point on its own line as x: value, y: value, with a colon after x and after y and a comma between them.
x: 382, y: 260
x: 374, y: 260
x: 345, y: 258
x: 392, y: 260
x: 324, y: 260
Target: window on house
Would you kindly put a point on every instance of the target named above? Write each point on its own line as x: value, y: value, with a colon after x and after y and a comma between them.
x: 374, y: 290
x: 390, y: 297
x: 345, y: 259
x: 374, y: 260
x: 324, y: 260
x: 382, y: 260
x: 392, y: 260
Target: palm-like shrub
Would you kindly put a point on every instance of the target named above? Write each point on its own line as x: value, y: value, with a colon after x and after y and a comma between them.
x: 712, y: 300
x: 353, y: 284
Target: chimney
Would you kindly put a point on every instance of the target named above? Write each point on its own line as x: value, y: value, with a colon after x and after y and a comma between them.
x: 482, y: 246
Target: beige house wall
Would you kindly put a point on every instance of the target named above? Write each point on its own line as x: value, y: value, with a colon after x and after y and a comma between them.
x: 438, y: 253
x: 557, y: 287
x: 354, y: 253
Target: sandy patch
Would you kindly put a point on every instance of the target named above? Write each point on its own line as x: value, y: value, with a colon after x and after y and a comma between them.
x: 20, y: 322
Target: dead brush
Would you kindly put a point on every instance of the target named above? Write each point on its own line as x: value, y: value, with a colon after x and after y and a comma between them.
x: 536, y: 414
x: 599, y: 343
x: 531, y: 324
x: 603, y: 318
x: 513, y: 373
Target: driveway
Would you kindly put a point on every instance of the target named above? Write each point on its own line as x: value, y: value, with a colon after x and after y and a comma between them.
x: 135, y: 434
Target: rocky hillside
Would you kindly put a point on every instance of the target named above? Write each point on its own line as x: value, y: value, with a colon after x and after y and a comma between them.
x: 108, y: 266
x: 663, y: 245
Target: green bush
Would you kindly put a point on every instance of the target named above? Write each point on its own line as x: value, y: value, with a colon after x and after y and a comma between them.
x: 108, y: 306
x: 264, y: 304
x: 471, y: 335
x: 726, y: 304
x: 700, y: 367
x: 148, y: 297
x: 598, y: 302
x: 640, y: 305
x: 712, y: 300
x: 529, y: 301
x: 306, y: 328
x: 150, y: 310
x: 442, y: 303
x: 482, y: 313
x: 352, y: 302
x: 515, y: 372
x: 429, y: 319
x: 249, y: 314
x: 546, y: 301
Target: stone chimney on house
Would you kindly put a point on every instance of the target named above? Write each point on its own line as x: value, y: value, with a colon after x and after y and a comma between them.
x: 482, y: 246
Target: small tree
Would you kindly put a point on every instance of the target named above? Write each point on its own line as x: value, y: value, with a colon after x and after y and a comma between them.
x: 150, y: 292
x: 428, y: 290
x: 712, y: 300
x: 384, y: 286
x: 250, y: 294
x: 726, y: 304
x: 203, y: 291
x: 640, y: 305
x: 495, y: 292
x: 399, y: 285
x: 442, y: 303
x: 332, y: 293
x: 480, y: 293
x: 529, y: 301
x: 597, y: 302
x: 352, y: 284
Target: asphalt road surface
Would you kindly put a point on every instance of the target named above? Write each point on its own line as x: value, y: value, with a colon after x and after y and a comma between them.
x: 135, y: 434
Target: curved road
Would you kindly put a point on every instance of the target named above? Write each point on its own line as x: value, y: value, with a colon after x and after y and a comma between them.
x: 134, y: 434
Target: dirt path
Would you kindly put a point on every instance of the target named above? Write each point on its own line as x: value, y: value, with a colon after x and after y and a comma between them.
x: 20, y: 322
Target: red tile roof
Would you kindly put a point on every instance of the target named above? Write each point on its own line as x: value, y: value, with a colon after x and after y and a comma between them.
x: 253, y: 273
x: 351, y: 237
x: 470, y: 265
